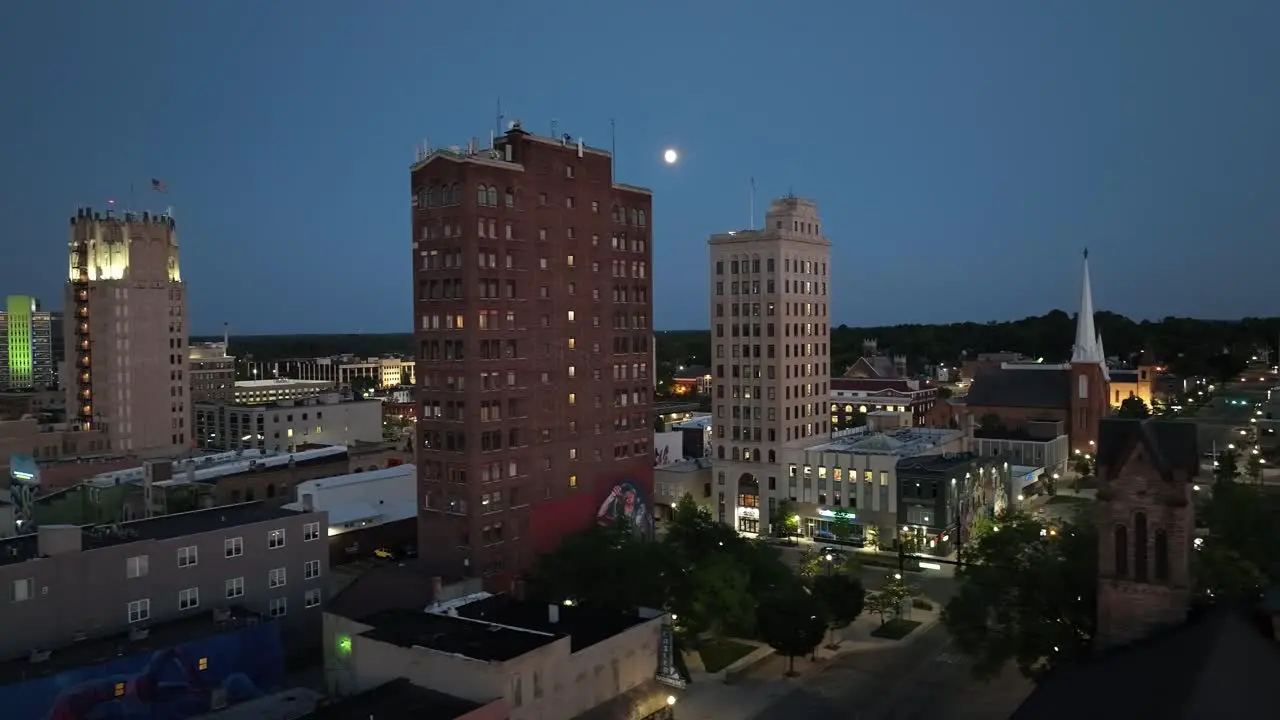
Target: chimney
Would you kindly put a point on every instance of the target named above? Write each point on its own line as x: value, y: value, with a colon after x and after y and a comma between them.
x: 58, y: 539
x: 437, y: 588
x: 553, y: 614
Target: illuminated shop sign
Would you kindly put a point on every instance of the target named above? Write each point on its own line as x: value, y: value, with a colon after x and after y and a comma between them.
x: 823, y: 512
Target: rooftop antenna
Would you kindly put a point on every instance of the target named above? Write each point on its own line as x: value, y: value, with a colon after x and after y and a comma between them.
x: 613, y: 150
x: 497, y: 127
x: 226, y: 338
x: 752, y: 225
x: 555, y: 126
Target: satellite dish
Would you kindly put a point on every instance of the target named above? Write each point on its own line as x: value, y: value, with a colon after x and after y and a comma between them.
x: 512, y: 125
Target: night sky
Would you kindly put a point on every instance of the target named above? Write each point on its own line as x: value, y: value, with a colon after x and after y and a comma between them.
x: 962, y: 153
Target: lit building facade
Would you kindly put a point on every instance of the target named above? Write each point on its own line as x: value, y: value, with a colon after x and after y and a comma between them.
x: 27, y: 359
x: 126, y: 334
x: 213, y: 372
x: 771, y: 355
x: 532, y: 299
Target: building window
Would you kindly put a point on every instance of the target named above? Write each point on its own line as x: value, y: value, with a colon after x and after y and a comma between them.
x: 278, y: 607
x: 187, y: 556
x: 311, y: 570
x: 235, y: 587
x: 23, y: 589
x: 1140, y: 547
x: 233, y: 547
x: 1162, y: 555
x: 276, y: 578
x: 139, y: 610
x: 136, y: 566
x: 188, y: 598
x: 311, y: 531
x: 202, y: 664
x: 313, y: 597
x: 275, y: 539
x: 1121, y: 551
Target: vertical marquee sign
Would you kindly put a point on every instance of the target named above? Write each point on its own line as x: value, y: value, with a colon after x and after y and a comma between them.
x: 667, y: 673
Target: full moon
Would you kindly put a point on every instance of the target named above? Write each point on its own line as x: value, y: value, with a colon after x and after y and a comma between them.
x: 670, y: 156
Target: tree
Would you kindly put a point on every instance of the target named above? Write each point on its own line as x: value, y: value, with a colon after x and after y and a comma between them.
x: 1226, y: 467
x: 1134, y: 408
x: 880, y: 605
x: 1027, y: 594
x: 792, y: 622
x: 659, y: 425
x: 608, y: 567
x: 716, y: 598
x: 944, y: 393
x: 362, y: 385
x: 1253, y: 467
x: 842, y: 596
x: 842, y: 525
x: 406, y: 377
x: 785, y: 521
x: 896, y: 592
x: 810, y: 563
x: 1083, y: 465
x: 1242, y: 545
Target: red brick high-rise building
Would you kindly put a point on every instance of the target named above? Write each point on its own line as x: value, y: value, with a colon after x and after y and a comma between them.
x: 532, y: 305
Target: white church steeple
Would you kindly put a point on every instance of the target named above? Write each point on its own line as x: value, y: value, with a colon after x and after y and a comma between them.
x: 1088, y: 347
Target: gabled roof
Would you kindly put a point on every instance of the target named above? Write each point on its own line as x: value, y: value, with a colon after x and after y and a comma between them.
x: 1171, y: 445
x: 874, y: 366
x: 871, y: 384
x: 1036, y: 387
x: 1219, y: 666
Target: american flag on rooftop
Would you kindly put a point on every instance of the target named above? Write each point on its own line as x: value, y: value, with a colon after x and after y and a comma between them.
x: 159, y: 186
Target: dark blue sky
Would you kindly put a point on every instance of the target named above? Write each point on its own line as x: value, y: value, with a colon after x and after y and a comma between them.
x: 961, y: 152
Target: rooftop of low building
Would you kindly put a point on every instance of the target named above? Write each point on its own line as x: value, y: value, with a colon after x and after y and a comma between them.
x: 164, y: 527
x: 396, y: 700
x: 902, y: 442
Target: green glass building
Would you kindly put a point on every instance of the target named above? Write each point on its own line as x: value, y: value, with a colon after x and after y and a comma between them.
x: 26, y: 345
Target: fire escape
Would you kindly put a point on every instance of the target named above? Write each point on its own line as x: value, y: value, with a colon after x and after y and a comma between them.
x: 80, y: 291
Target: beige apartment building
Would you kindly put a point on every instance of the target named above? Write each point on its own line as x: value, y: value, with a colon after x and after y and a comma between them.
x: 771, y: 353
x: 212, y: 370
x: 126, y: 332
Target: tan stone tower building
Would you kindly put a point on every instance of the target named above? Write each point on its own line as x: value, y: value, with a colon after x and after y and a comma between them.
x: 126, y: 332
x: 770, y: 344
x: 1146, y: 524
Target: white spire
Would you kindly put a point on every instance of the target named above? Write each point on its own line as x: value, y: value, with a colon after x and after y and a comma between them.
x: 1102, y: 351
x: 1088, y: 347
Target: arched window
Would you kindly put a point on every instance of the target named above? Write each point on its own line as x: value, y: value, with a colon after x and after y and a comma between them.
x: 642, y: 218
x: 635, y: 216
x: 1162, y: 555
x: 455, y: 195
x: 1140, y: 547
x: 511, y: 197
x: 430, y: 199
x: 481, y: 195
x: 491, y: 196
x: 1122, y: 551
x: 444, y: 195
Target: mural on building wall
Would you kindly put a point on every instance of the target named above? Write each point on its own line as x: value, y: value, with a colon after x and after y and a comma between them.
x: 168, y: 684
x: 668, y: 447
x: 627, y: 502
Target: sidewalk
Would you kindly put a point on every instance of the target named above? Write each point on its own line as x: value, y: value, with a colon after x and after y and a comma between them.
x: 709, y: 699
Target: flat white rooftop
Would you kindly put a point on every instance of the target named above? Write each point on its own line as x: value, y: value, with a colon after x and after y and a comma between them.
x: 281, y: 382
x: 904, y: 442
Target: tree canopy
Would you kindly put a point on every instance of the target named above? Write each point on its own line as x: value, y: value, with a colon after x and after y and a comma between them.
x: 1134, y: 408
x: 792, y: 621
x: 1027, y: 594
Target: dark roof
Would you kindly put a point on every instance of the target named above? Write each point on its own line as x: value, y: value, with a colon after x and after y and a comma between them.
x: 944, y: 464
x: 901, y: 385
x: 584, y: 627
x: 396, y: 700
x: 1215, y: 667
x: 876, y: 366
x: 1123, y: 375
x: 1171, y: 445
x: 1038, y: 388
x: 388, y: 587
x: 94, y: 651
x: 165, y: 527
x: 455, y: 635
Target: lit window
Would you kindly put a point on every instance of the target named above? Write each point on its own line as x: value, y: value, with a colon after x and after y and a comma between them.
x: 569, y: 260
x: 119, y: 689
x: 573, y: 398
x: 571, y: 316
x: 573, y: 371
x: 204, y: 663
x: 573, y: 481
x: 572, y: 343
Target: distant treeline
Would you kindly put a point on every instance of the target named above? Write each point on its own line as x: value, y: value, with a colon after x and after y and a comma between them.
x: 1191, y: 347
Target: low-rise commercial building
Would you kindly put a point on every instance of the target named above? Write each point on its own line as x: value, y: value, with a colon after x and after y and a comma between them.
x: 370, y: 511
x: 540, y: 661
x: 853, y: 477
x: 687, y: 477
x: 66, y: 583
x: 1036, y: 443
x: 260, y: 392
x: 284, y: 425
x: 341, y: 370
x: 852, y: 399
x: 942, y: 496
